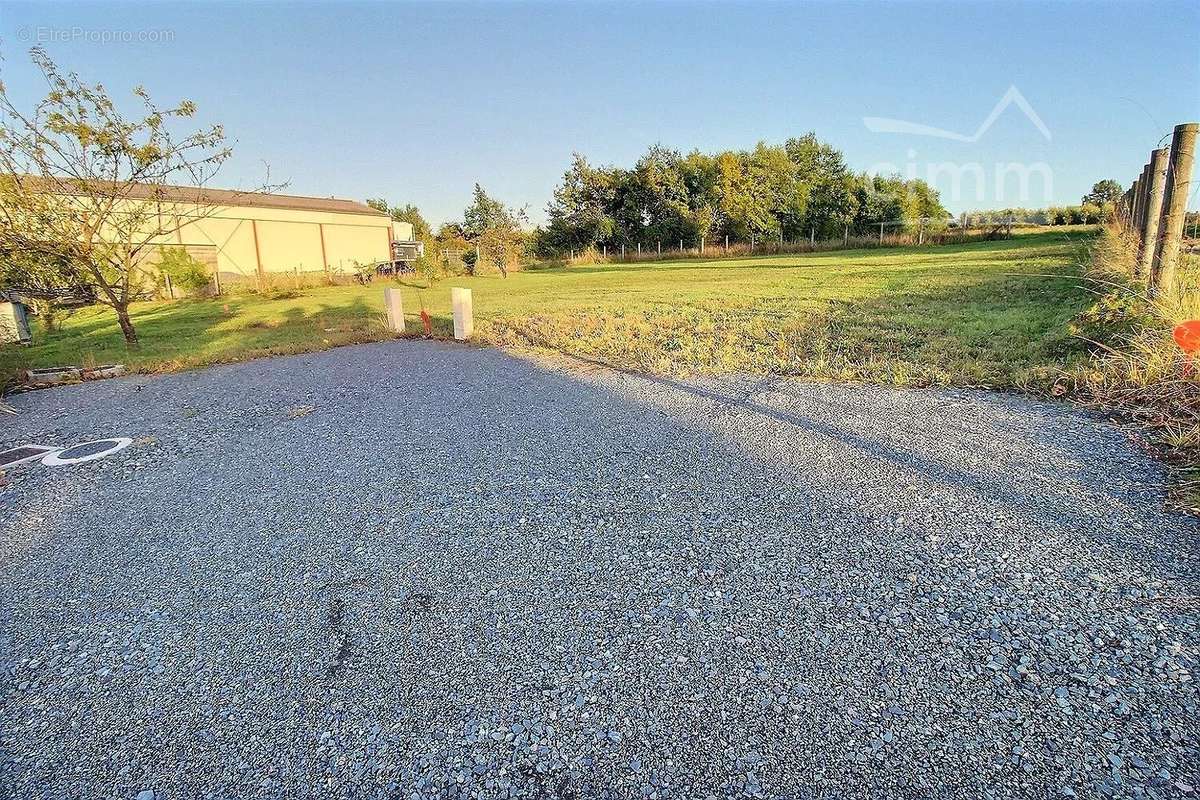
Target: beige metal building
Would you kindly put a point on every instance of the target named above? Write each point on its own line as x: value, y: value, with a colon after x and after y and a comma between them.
x: 247, y: 234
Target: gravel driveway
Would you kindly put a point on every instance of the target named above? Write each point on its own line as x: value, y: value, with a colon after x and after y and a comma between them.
x: 425, y: 570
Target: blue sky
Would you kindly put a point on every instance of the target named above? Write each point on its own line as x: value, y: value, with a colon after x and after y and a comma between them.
x: 416, y: 102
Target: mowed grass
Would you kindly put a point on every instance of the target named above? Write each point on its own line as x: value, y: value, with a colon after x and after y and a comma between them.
x: 984, y: 314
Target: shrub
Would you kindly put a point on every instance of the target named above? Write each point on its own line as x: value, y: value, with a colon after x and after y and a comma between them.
x: 184, y: 271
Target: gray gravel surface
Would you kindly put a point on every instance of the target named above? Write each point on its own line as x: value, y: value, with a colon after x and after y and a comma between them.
x: 423, y: 570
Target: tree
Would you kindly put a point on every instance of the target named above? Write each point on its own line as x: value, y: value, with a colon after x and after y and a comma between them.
x: 91, y: 191
x: 822, y: 170
x: 654, y: 199
x: 494, y: 228
x: 1104, y: 193
x: 701, y: 179
x: 582, y: 211
x: 405, y: 213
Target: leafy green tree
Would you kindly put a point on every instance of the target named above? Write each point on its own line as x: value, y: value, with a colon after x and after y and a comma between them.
x: 1105, y: 192
x: 654, y: 200
x: 822, y: 169
x: 701, y: 179
x: 582, y: 212
x: 495, y: 229
x: 405, y: 213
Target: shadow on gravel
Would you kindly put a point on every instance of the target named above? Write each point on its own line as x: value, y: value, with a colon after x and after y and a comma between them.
x: 455, y: 543
x: 1035, y: 505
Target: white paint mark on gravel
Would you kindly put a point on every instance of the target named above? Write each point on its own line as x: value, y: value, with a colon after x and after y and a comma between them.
x: 64, y: 458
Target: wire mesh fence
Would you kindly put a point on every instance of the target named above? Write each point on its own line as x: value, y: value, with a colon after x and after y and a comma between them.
x: 888, y: 233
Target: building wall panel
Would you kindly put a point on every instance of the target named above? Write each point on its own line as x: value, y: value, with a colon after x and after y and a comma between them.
x: 290, y: 246
x: 347, y: 244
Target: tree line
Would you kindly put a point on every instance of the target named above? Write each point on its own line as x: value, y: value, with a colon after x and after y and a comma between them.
x: 1096, y: 206
x: 800, y: 189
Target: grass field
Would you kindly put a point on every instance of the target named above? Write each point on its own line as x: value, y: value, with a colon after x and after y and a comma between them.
x: 988, y: 313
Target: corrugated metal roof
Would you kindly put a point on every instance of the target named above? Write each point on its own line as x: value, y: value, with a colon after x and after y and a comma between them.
x: 229, y: 197
x: 234, y: 198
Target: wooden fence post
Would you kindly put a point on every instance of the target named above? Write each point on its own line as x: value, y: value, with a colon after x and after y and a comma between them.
x: 464, y: 313
x: 395, y: 309
x: 1156, y: 181
x: 1139, y: 187
x: 1175, y: 197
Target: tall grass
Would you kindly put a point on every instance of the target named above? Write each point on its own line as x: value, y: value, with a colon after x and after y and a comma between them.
x: 1137, y: 370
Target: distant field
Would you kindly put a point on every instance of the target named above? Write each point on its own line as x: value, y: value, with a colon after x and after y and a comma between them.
x: 988, y: 313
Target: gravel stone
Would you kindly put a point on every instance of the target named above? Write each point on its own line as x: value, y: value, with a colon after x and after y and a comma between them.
x: 468, y: 574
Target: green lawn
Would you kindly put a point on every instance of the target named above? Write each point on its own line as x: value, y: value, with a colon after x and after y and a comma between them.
x: 987, y: 313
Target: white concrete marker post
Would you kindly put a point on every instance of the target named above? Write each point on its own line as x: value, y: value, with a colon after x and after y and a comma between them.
x: 395, y: 309
x: 464, y: 315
